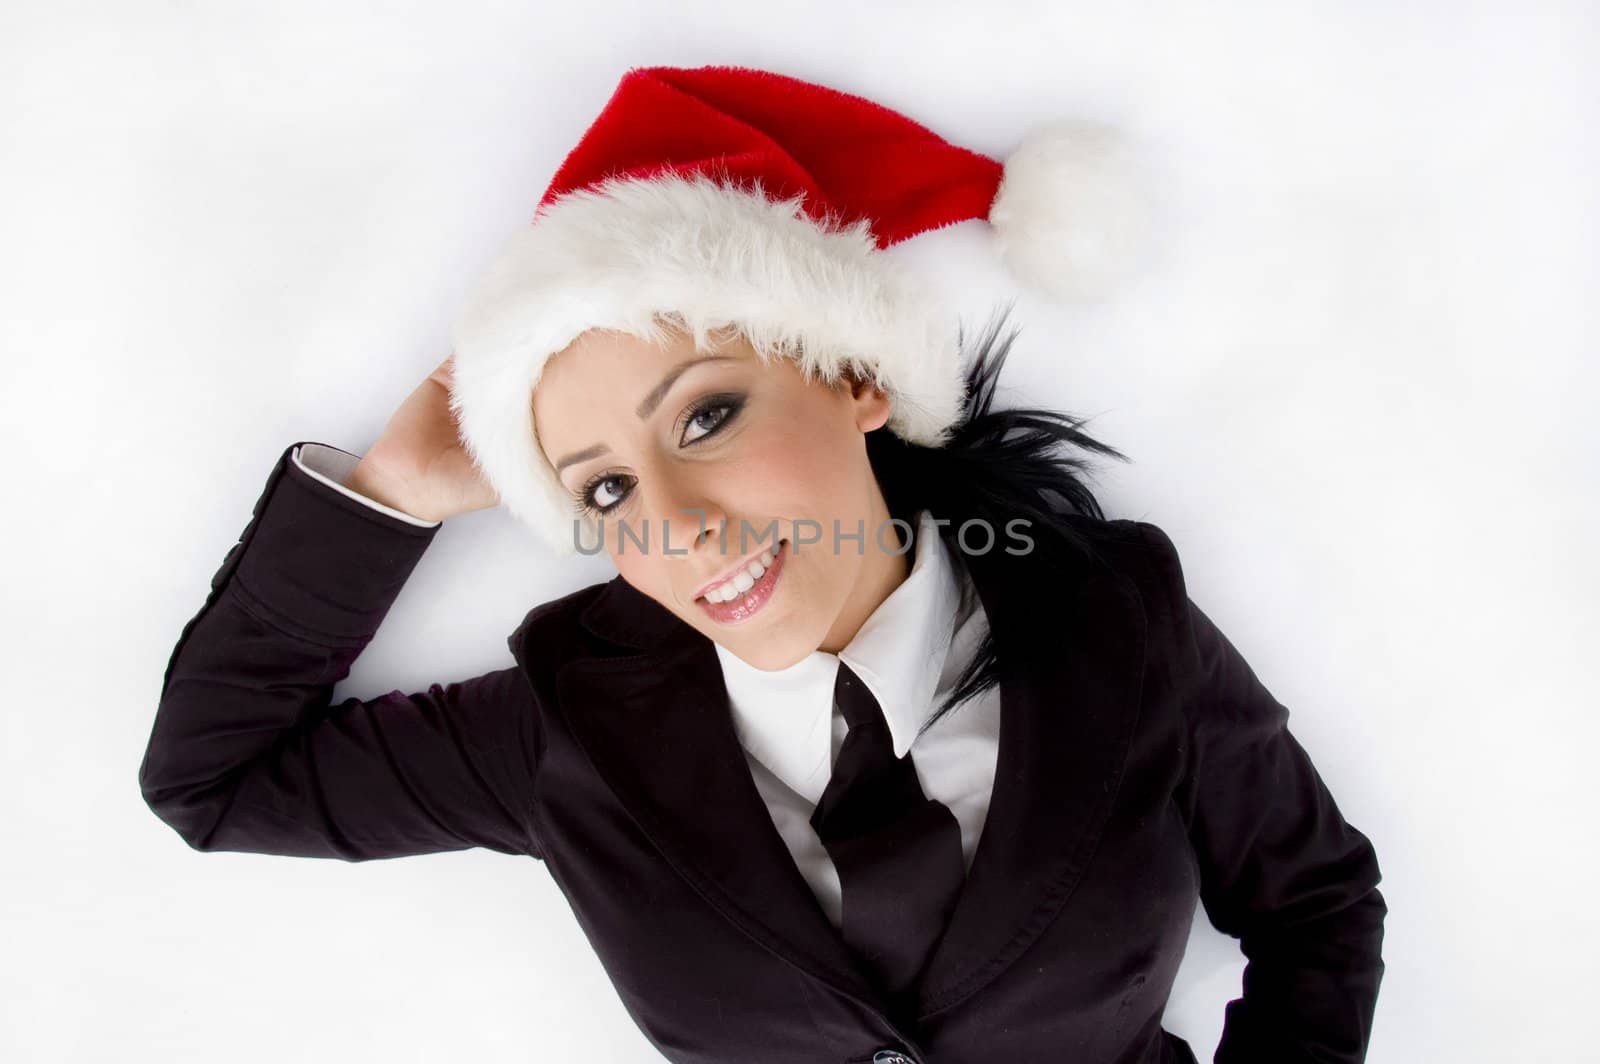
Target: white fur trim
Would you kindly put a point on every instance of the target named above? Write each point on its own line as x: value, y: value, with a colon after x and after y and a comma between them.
x: 715, y: 254
x: 1072, y: 214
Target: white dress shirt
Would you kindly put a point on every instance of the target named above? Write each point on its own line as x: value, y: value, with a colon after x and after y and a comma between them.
x: 910, y: 651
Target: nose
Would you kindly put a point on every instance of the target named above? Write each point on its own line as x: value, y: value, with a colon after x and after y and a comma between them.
x: 688, y: 518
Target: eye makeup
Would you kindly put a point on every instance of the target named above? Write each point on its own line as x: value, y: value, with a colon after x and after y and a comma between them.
x: 727, y: 404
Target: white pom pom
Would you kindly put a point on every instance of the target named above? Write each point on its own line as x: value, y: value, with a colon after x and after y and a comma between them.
x: 1072, y: 216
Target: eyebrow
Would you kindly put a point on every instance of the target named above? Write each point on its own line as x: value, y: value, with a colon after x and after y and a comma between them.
x: 647, y: 405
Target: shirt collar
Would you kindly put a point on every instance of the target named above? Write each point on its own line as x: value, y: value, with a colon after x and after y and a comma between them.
x: 784, y: 718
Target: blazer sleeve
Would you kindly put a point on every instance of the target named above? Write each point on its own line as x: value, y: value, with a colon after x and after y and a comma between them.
x: 1281, y: 869
x: 247, y: 751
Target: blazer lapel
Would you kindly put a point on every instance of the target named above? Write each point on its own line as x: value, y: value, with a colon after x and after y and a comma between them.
x: 657, y: 725
x: 1067, y: 719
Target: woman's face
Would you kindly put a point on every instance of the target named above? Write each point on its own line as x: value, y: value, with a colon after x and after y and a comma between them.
x: 726, y: 455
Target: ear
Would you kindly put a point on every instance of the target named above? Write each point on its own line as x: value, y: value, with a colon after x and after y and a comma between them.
x: 870, y: 401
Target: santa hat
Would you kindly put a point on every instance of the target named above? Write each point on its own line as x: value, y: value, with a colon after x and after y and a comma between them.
x: 723, y: 195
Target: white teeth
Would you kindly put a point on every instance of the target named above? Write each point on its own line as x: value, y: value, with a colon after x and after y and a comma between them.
x: 743, y: 581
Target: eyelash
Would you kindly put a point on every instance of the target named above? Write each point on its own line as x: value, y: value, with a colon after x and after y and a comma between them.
x: 582, y: 499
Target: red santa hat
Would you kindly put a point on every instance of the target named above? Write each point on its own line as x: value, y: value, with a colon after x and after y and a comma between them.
x: 720, y: 195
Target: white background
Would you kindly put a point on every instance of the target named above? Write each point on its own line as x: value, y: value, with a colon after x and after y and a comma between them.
x: 1356, y: 388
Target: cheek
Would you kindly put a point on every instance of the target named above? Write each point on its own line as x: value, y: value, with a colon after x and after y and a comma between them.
x: 800, y: 468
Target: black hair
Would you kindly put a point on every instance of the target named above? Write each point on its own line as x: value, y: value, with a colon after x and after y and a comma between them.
x: 996, y: 466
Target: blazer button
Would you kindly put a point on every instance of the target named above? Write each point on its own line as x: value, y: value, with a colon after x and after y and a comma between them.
x: 891, y: 1056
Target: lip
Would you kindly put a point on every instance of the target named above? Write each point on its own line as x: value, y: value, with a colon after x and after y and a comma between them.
x: 733, y: 571
x: 748, y: 604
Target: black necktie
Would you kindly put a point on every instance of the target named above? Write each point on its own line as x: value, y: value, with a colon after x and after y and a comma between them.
x: 897, y: 851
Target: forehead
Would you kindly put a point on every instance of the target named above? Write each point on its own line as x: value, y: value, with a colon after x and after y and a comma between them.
x: 603, y: 367
x: 625, y: 365
x: 613, y: 348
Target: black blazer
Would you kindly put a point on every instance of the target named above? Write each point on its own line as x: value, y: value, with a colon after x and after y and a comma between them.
x: 1142, y: 768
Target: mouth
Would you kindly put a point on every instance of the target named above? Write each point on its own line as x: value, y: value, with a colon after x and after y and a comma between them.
x: 727, y: 603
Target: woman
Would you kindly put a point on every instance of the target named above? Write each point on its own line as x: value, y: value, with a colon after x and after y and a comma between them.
x: 1042, y: 753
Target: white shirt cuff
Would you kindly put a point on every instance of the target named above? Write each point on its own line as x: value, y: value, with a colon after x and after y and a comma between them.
x: 333, y: 467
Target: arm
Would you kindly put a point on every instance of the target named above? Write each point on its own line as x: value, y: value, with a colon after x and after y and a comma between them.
x: 1281, y: 869
x: 247, y: 752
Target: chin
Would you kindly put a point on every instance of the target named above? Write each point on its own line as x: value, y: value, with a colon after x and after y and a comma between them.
x: 778, y: 644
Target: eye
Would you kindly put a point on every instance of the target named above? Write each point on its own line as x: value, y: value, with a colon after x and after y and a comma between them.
x: 591, y: 499
x: 711, y: 414
x: 596, y: 497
